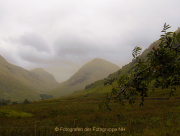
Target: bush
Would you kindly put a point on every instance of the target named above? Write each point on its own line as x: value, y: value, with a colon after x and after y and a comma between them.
x: 4, y: 103
x: 26, y: 101
x: 45, y: 96
x: 14, y: 103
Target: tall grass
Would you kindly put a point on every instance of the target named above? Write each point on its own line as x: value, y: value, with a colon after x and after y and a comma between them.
x: 164, y: 117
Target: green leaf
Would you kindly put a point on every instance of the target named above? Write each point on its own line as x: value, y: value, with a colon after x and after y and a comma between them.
x: 169, y: 32
x: 168, y: 27
x: 178, y: 37
x: 174, y: 35
x: 164, y: 25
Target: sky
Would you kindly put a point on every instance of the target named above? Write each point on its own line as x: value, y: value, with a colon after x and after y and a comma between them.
x: 63, y: 35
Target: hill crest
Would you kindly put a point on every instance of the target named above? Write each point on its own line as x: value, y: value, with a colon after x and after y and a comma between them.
x: 90, y: 72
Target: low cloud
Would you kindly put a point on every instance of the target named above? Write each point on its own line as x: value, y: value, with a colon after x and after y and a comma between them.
x: 32, y: 40
x: 73, y: 45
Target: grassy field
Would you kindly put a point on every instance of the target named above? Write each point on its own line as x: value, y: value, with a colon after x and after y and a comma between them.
x: 155, y: 118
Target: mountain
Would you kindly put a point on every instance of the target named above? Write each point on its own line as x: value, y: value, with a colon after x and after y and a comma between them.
x: 90, y: 72
x: 48, y: 78
x: 97, y: 87
x: 19, y: 83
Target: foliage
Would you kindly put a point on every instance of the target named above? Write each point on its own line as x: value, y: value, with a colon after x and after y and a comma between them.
x: 4, y: 102
x: 162, y: 65
x: 26, y: 101
x: 45, y: 96
x: 14, y: 103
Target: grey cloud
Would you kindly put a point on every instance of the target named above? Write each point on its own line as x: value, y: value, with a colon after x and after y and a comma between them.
x: 72, y: 44
x: 31, y: 55
x: 32, y: 40
x: 64, y: 35
x: 72, y: 48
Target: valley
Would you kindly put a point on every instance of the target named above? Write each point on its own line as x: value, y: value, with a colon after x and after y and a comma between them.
x: 77, y: 102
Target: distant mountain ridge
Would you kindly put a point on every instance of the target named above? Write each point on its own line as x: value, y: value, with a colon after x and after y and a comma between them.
x: 16, y: 82
x: 100, y: 67
x: 90, y: 72
x: 47, y: 77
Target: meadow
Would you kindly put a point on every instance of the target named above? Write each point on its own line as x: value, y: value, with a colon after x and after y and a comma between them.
x: 155, y: 118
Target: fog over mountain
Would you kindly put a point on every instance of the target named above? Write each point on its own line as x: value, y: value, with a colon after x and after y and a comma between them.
x: 90, y: 72
x: 61, y: 36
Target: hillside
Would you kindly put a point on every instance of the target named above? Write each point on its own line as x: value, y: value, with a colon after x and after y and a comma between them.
x: 88, y: 73
x: 19, y: 83
x: 97, y: 87
x: 47, y: 77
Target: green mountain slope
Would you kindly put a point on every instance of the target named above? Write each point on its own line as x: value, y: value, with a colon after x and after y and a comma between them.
x: 11, y: 87
x: 47, y: 77
x: 98, y: 87
x: 88, y: 73
x: 18, y: 83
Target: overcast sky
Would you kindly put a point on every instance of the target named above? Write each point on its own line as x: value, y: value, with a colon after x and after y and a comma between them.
x: 62, y: 35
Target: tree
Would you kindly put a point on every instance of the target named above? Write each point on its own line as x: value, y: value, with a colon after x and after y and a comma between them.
x: 4, y: 102
x: 14, y: 103
x: 45, y: 96
x: 26, y: 101
x: 162, y: 65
